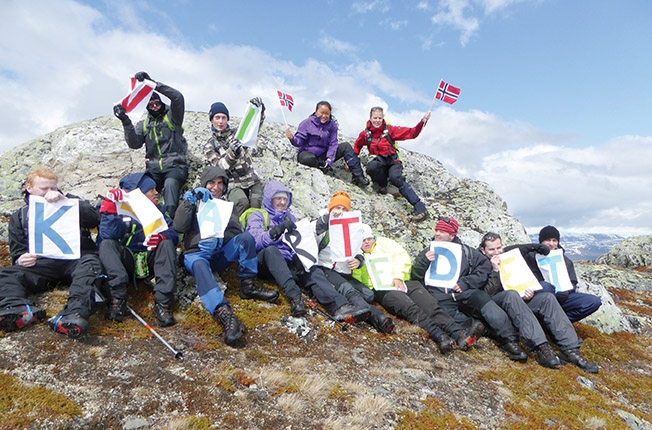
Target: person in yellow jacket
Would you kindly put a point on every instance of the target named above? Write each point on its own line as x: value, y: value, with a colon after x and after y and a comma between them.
x: 409, y: 299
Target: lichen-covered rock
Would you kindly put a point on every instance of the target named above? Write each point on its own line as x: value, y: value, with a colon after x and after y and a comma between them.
x: 630, y: 253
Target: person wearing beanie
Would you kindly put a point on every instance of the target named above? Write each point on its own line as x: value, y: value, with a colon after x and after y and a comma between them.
x: 223, y: 149
x: 410, y: 300
x: 349, y: 300
x: 317, y: 143
x: 381, y: 140
x: 576, y: 305
x: 127, y: 254
x: 161, y: 131
x: 202, y: 257
x: 468, y: 298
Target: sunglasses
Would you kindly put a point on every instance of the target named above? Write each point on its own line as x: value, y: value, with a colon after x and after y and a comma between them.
x: 446, y: 220
x: 154, y: 104
x: 489, y: 237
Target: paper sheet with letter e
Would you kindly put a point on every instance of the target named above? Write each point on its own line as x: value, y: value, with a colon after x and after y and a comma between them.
x: 553, y: 268
x: 515, y: 273
x: 213, y: 217
x: 444, y: 271
x: 303, y: 241
x: 379, y: 267
x: 345, y: 234
x: 54, y: 228
x: 136, y: 205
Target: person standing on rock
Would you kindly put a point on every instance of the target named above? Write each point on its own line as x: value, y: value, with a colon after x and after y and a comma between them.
x: 409, y: 299
x: 467, y: 295
x: 543, y: 310
x: 32, y: 274
x: 223, y: 149
x: 203, y: 256
x: 317, y: 141
x: 162, y: 134
x: 381, y: 139
x: 126, y: 254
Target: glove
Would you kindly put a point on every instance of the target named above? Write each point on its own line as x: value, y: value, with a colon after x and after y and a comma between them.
x: 108, y: 207
x: 257, y: 101
x: 120, y: 112
x: 236, y: 147
x: 153, y: 241
x: 276, y: 231
x: 326, y: 168
x: 203, y: 194
x: 542, y: 249
x: 209, y: 245
x: 289, y: 225
x: 115, y: 195
x: 190, y: 197
x: 141, y: 76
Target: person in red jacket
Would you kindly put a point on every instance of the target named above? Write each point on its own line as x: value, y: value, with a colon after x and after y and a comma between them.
x: 380, y: 139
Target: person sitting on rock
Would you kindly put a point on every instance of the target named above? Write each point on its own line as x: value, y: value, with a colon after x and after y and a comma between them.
x: 203, y: 256
x: 317, y: 141
x: 544, y: 309
x: 467, y: 297
x: 357, y: 295
x: 381, y: 139
x: 34, y: 274
x: 162, y: 134
x: 410, y: 300
x: 127, y: 254
x: 223, y: 149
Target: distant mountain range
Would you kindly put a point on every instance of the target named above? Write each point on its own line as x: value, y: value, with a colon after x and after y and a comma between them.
x: 586, y: 246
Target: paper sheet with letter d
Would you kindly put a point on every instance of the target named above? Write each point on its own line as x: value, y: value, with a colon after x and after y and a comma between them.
x: 54, y: 228
x: 444, y: 271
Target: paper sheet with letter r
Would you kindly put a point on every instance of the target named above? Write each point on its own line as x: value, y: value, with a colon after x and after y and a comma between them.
x: 54, y: 228
x: 444, y: 271
x: 303, y: 241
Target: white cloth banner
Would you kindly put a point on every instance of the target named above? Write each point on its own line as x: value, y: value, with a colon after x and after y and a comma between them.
x: 138, y: 96
x: 553, y: 269
x: 444, y: 271
x: 515, y: 273
x: 247, y: 132
x: 304, y: 243
x: 54, y: 228
x: 213, y: 217
x: 379, y: 267
x: 136, y: 205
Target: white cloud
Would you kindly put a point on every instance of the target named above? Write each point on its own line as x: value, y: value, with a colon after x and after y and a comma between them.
x: 331, y: 45
x: 370, y: 6
x: 452, y: 13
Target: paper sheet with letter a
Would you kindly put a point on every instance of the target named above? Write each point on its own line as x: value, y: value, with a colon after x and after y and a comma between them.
x: 444, y: 271
x: 213, y: 217
x: 553, y: 268
x: 515, y: 273
x: 53, y: 228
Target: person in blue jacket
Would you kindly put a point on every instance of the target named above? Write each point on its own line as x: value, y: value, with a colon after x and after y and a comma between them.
x: 126, y: 252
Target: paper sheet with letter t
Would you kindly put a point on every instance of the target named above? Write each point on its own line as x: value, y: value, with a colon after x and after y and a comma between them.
x: 345, y: 234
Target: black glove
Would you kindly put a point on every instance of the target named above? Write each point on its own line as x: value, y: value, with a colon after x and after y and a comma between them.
x: 141, y: 76
x: 276, y: 231
x: 542, y: 249
x: 326, y: 168
x: 236, y: 147
x: 120, y: 112
x: 257, y: 101
x: 289, y: 225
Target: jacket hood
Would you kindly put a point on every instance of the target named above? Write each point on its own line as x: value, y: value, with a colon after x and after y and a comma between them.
x: 213, y: 172
x: 142, y: 180
x: 271, y: 188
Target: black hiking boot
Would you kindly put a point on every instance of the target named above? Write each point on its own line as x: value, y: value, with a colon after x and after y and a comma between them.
x: 298, y: 307
x: 445, y: 343
x: 163, y: 314
x: 422, y: 216
x: 17, y: 317
x: 574, y: 356
x: 71, y: 325
x: 546, y: 357
x: 382, y: 190
x: 360, y: 181
x: 466, y: 340
x: 351, y: 314
x: 249, y: 290
x: 514, y: 351
x: 117, y: 310
x: 231, y: 325
x: 477, y: 329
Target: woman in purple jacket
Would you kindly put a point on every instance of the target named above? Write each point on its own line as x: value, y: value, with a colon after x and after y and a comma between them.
x: 316, y: 139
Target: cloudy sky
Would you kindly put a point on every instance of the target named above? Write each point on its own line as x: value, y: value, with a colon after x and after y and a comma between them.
x: 556, y: 95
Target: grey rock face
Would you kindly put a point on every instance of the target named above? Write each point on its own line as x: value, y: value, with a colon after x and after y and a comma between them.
x: 630, y: 253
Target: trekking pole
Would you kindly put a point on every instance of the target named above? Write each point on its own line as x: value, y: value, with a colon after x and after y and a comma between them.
x: 314, y: 307
x: 177, y: 354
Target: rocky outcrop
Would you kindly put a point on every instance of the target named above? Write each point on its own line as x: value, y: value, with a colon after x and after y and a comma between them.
x: 631, y: 253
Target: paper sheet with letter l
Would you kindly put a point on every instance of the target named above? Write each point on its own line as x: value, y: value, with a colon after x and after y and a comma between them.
x: 247, y: 132
x: 515, y: 273
x: 345, y: 234
x: 136, y: 205
x: 303, y: 241
x: 379, y: 267
x: 53, y: 228
x: 444, y: 271
x: 553, y: 268
x: 213, y: 217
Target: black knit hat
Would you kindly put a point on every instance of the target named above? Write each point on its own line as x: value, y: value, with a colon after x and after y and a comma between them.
x: 548, y: 232
x: 218, y: 107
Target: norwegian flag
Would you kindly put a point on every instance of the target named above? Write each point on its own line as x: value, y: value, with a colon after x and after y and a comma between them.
x: 285, y: 100
x: 447, y: 93
x: 139, y: 93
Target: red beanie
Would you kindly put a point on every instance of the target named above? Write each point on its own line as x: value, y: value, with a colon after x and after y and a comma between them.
x: 448, y: 225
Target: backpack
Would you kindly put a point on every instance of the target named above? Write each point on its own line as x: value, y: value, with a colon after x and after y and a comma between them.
x: 384, y: 135
x: 245, y: 216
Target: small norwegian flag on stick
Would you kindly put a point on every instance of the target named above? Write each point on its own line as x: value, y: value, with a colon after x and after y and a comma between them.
x: 447, y: 93
x: 287, y: 101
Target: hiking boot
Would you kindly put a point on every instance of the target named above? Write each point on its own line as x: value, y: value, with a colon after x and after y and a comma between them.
x: 514, y: 351
x: 445, y: 343
x: 465, y: 342
x: 298, y: 307
x: 360, y: 181
x: 351, y: 314
x: 117, y: 310
x: 477, y: 329
x: 546, y: 357
x: 420, y: 216
x: 231, y: 325
x: 249, y: 290
x: 163, y: 314
x: 384, y: 324
x: 382, y: 190
x: 17, y: 317
x: 574, y: 356
x: 71, y: 325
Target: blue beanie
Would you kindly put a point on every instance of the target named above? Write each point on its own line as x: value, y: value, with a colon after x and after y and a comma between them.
x: 218, y: 107
x: 146, y: 183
